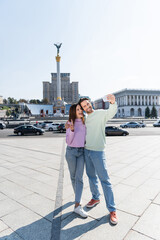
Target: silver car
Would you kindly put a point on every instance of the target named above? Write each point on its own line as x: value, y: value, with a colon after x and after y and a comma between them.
x: 130, y: 125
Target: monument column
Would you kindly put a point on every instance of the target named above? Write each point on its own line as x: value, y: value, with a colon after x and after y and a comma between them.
x: 59, y: 107
x: 58, y: 59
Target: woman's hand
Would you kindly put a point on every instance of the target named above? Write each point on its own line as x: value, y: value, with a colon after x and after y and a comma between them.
x: 67, y: 125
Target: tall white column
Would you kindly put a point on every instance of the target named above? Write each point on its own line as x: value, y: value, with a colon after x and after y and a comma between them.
x: 129, y: 100
x: 155, y: 100
x: 147, y: 100
x: 151, y: 100
x: 137, y: 100
x: 126, y: 100
x: 134, y: 100
x: 141, y: 100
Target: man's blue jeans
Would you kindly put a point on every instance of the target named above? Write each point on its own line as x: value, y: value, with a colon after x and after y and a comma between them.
x: 96, y: 165
x: 75, y: 160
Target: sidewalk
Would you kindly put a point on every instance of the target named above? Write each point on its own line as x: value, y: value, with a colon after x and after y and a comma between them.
x: 35, y: 186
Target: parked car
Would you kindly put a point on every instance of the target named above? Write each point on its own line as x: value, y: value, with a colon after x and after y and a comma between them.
x: 61, y: 128
x: 142, y: 124
x: 115, y: 131
x: 156, y: 124
x: 52, y: 126
x: 2, y: 125
x: 28, y: 129
x: 39, y: 124
x: 130, y: 125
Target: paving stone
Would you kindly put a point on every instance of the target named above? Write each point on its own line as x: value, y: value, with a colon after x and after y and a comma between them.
x: 115, y: 180
x: 2, y: 196
x: 3, y: 226
x: 44, y: 190
x: 125, y: 172
x: 67, y: 207
x: 13, y: 190
x: 49, y: 171
x: 157, y: 199
x: 20, y: 179
x: 39, y: 204
x: 42, y: 177
x: 150, y: 188
x: 151, y: 168
x: 116, y: 167
x: 67, y: 191
x: 148, y: 224
x: 25, y: 170
x: 156, y: 174
x: 8, y: 234
x: 74, y: 226
x: 136, y: 179
x: 8, y: 165
x: 8, y: 206
x: 121, y: 191
x: 4, y: 171
x: 29, y: 225
x: 132, y: 235
x: 103, y: 230
x: 135, y: 203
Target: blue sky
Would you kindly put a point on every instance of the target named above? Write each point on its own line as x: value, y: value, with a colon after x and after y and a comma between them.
x: 107, y: 45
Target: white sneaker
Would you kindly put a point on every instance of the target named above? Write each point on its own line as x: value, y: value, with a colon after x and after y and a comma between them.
x: 79, y: 210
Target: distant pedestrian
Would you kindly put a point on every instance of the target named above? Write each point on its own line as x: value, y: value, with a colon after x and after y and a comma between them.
x: 75, y: 139
x: 94, y: 153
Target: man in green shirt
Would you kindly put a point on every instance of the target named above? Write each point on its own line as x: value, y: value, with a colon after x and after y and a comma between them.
x: 94, y: 153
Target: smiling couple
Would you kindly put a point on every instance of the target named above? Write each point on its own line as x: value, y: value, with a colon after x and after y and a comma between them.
x: 85, y: 138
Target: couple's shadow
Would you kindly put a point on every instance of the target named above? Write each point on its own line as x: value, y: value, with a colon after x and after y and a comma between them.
x: 55, y: 226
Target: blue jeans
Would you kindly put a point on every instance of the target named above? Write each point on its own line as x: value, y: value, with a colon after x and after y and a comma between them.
x: 96, y: 165
x: 75, y: 160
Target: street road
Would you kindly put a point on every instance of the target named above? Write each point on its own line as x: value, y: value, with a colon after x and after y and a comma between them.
x: 147, y: 131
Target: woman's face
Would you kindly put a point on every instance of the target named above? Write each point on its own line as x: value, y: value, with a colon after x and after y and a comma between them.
x: 79, y: 112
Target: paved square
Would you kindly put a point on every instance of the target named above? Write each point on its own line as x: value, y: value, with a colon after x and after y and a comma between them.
x: 31, y: 175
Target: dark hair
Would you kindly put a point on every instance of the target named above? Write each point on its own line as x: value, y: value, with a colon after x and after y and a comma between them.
x: 81, y: 100
x: 72, y: 113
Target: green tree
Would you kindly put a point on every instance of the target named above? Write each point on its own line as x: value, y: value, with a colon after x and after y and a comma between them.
x: 22, y: 100
x: 35, y: 101
x: 5, y: 101
x: 8, y: 112
x: 45, y: 101
x: 147, y: 112
x: 12, y: 100
x: 154, y: 112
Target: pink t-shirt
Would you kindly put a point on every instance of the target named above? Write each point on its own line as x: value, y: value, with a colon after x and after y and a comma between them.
x: 78, y: 137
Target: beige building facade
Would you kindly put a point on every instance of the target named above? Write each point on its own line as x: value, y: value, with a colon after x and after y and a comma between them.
x: 69, y: 91
x: 1, y: 100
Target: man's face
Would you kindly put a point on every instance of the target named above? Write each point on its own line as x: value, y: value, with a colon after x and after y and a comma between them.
x: 86, y: 105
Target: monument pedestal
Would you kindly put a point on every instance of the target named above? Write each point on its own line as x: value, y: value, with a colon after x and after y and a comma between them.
x: 59, y: 108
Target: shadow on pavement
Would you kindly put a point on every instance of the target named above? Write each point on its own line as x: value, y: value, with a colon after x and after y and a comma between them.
x: 43, y: 229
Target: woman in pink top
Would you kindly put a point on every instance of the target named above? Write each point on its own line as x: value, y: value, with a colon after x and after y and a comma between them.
x: 75, y: 139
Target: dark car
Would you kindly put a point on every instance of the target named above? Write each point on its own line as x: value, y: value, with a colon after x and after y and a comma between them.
x: 115, y: 131
x: 28, y: 129
x: 156, y: 124
x: 61, y: 128
x: 130, y: 125
x: 2, y: 125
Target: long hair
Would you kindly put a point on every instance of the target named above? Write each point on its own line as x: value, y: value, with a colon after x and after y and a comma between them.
x: 72, y: 113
